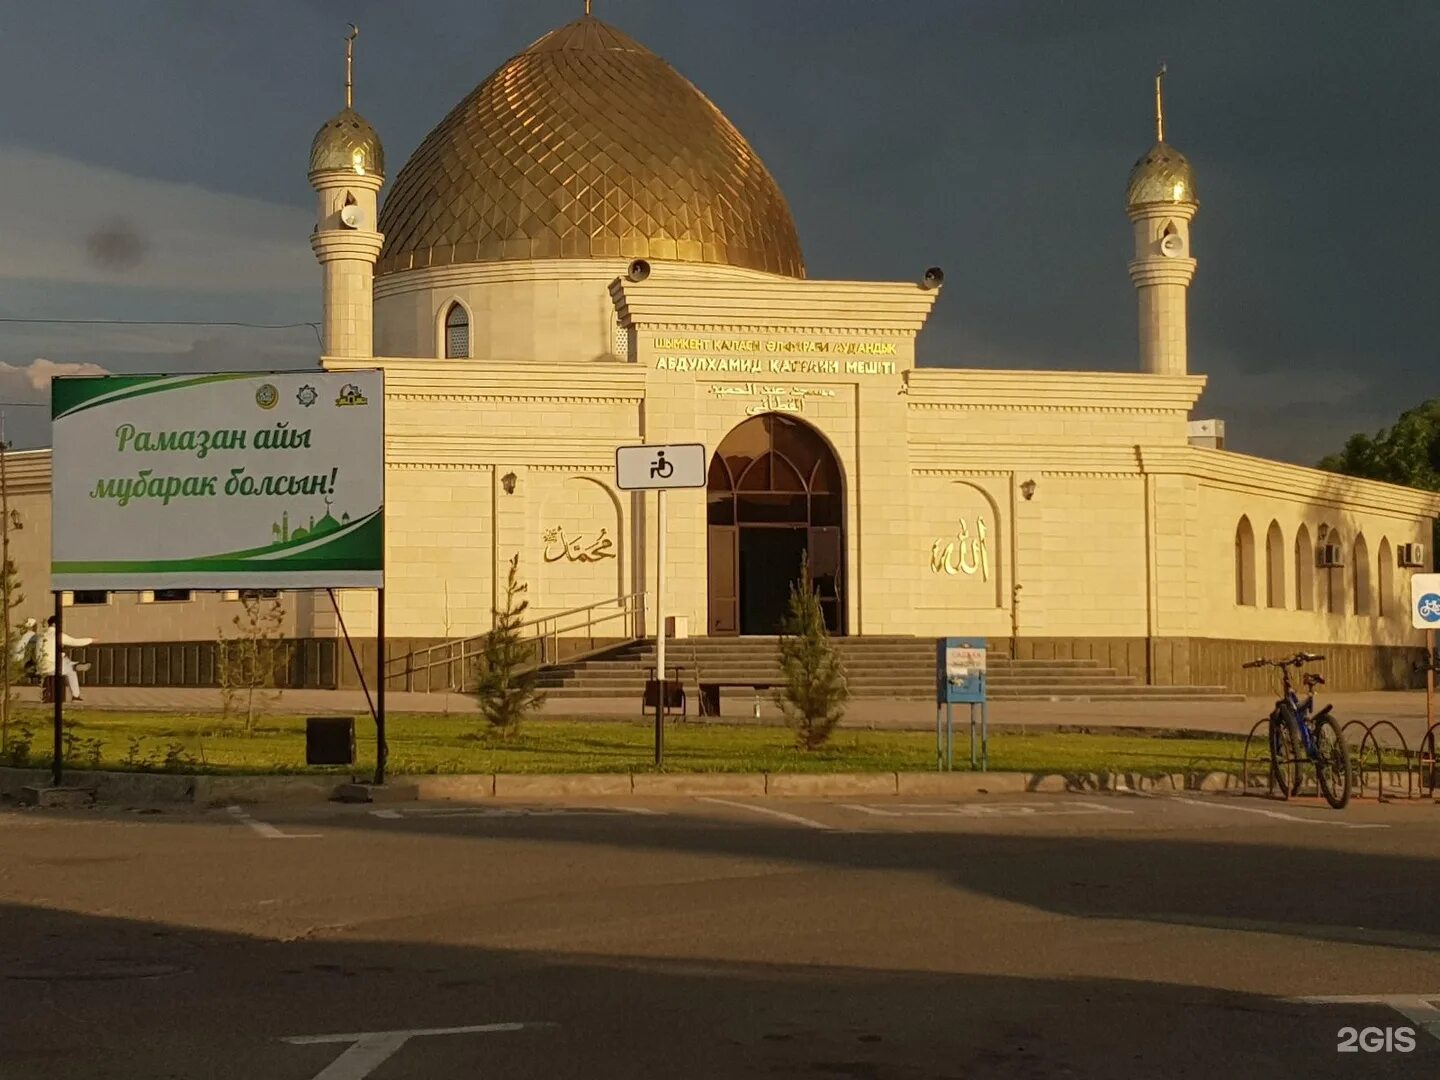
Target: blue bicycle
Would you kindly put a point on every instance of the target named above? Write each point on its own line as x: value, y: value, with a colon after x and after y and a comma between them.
x: 1299, y: 735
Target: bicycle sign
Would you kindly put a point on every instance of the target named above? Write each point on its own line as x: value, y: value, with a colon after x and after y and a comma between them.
x: 1425, y: 601
x: 653, y: 468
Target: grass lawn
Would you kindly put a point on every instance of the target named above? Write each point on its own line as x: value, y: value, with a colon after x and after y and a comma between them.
x: 450, y: 744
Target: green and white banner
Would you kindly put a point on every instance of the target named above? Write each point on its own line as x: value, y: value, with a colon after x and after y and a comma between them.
x: 228, y: 481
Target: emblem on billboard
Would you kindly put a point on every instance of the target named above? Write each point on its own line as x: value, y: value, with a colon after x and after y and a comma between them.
x: 307, y: 396
x: 267, y: 397
x: 350, y: 395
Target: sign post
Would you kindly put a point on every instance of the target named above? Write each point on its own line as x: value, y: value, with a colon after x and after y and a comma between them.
x: 226, y: 480
x: 960, y: 680
x: 1425, y: 615
x: 658, y: 469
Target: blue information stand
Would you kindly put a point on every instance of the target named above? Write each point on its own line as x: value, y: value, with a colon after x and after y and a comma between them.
x: 960, y: 680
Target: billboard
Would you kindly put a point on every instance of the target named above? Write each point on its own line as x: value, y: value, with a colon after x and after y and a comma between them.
x: 218, y: 481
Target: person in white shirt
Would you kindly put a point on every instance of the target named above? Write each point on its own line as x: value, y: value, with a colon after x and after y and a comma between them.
x: 23, y: 645
x: 45, y: 655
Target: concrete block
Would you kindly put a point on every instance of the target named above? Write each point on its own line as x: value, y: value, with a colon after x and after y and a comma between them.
x: 13, y: 781
x: 55, y: 798
x: 825, y: 784
x: 461, y: 788
x: 226, y: 790
x: 699, y: 784
x: 391, y: 791
x: 1055, y: 782
x: 1217, y: 781
x: 510, y: 785
x: 143, y: 788
x: 960, y: 783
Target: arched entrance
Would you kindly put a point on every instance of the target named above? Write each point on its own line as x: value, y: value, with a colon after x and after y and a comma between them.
x: 775, y: 492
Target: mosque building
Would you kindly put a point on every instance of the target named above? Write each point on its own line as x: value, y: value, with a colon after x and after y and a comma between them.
x: 586, y: 254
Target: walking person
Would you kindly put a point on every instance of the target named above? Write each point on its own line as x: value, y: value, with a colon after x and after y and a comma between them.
x: 46, y: 654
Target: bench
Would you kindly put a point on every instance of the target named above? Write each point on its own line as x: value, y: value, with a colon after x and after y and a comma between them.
x: 710, y: 692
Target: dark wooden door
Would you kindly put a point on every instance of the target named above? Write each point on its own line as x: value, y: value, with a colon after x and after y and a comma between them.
x: 724, y: 575
x: 826, y: 548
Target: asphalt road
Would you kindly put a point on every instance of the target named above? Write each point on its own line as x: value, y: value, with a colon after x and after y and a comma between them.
x: 865, y: 938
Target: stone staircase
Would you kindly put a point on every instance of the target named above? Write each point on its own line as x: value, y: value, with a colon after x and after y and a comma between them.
x: 877, y: 667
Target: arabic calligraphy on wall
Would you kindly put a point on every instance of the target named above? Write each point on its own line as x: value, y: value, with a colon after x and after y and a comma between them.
x: 768, y: 397
x: 963, y: 553
x: 558, y: 546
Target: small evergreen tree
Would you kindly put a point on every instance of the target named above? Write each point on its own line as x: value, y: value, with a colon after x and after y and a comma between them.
x: 252, y: 664
x: 507, y: 684
x: 10, y: 600
x: 815, y: 692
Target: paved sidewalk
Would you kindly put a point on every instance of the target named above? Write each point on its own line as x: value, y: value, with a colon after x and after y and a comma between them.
x: 1404, y: 708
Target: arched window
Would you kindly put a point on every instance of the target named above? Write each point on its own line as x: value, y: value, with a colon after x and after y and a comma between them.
x: 1274, y: 566
x: 457, y: 333
x: 1332, y: 584
x: 1304, y: 571
x: 1385, y: 564
x: 1245, y: 563
x: 1364, y: 587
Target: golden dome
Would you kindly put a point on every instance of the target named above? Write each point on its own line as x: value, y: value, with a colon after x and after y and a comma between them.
x: 1162, y: 176
x: 587, y: 146
x: 347, y: 143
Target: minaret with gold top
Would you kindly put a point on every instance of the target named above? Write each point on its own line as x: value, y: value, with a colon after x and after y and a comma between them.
x: 347, y: 170
x: 1161, y: 203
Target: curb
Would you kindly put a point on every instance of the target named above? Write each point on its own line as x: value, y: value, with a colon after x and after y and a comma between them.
x: 207, y: 790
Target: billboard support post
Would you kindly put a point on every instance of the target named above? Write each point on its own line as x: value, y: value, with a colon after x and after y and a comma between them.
x: 381, y: 750
x: 57, y: 690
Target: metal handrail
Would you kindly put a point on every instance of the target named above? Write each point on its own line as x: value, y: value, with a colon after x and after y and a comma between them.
x: 458, y: 656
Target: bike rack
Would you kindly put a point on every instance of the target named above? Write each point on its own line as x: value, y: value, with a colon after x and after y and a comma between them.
x: 1245, y: 759
x: 1358, y: 765
x: 1421, y: 766
x: 1425, y: 759
x: 1405, y: 757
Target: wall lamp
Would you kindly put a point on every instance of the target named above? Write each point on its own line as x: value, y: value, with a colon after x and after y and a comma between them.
x: 508, y: 483
x: 15, y: 522
x: 1028, y: 490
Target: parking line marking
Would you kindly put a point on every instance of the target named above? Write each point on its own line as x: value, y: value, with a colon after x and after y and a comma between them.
x: 983, y: 811
x: 265, y: 829
x: 445, y: 813
x: 369, y: 1050
x: 1283, y: 817
x: 794, y: 818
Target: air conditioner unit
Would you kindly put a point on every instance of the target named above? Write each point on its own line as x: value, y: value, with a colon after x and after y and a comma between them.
x: 1412, y: 555
x: 1329, y: 556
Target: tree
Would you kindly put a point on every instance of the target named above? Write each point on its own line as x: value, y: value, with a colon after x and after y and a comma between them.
x: 507, y: 684
x: 254, y: 661
x: 815, y: 691
x: 1406, y: 453
x: 10, y: 597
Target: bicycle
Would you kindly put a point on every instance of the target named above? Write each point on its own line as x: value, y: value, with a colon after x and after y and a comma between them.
x: 1299, y: 734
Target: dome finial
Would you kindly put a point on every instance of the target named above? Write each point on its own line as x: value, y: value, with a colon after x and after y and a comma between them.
x: 350, y: 65
x: 587, y: 7
x: 1160, y: 103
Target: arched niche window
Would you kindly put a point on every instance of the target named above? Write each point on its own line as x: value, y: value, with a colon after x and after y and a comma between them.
x: 1332, y: 583
x: 1304, y: 571
x: 1364, y: 588
x: 1274, y: 566
x: 1385, y: 564
x: 1245, y: 563
x: 457, y: 333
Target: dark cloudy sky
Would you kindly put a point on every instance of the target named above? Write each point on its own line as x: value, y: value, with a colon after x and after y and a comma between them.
x: 152, y: 166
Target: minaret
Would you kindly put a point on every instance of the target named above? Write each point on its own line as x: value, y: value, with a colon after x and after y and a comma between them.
x: 347, y: 169
x: 1160, y: 200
